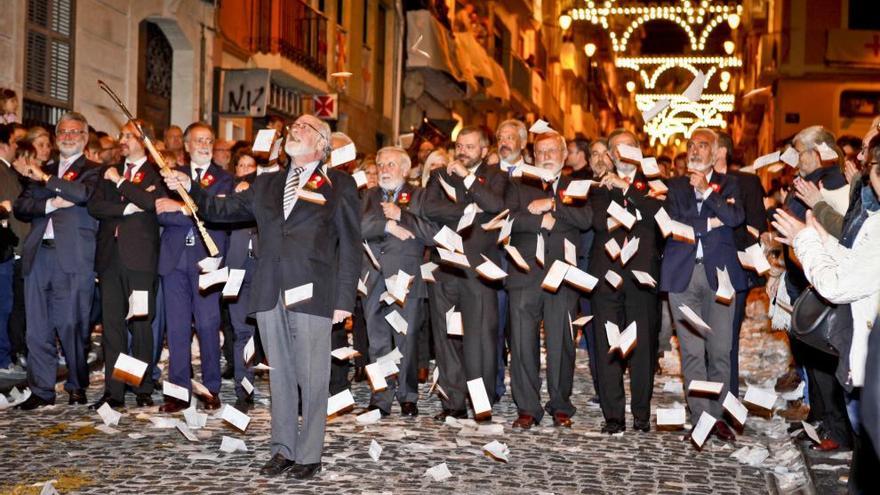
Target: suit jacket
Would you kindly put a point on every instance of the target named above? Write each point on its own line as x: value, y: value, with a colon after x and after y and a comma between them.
x: 487, y: 191
x: 74, y: 228
x: 719, y: 246
x: 177, y: 225
x: 135, y: 236
x: 319, y: 244
x: 636, y: 201
x: 572, y: 218
x: 392, y: 253
x: 752, y: 192
x: 10, y: 190
x: 242, y: 236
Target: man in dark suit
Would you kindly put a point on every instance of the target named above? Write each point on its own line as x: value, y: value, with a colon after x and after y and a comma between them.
x: 631, y: 301
x: 541, y: 208
x: 314, y: 249
x: 752, y: 193
x: 710, y: 203
x: 128, y: 251
x: 397, y: 236
x: 474, y: 355
x: 15, y: 232
x: 181, y: 250
x: 58, y: 262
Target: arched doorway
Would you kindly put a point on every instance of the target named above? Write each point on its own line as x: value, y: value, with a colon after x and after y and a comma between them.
x: 155, y: 64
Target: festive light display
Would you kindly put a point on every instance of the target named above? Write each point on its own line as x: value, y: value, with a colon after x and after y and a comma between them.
x: 682, y: 116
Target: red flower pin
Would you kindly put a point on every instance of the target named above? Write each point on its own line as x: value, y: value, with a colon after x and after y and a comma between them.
x: 207, y: 180
x: 481, y: 179
x: 403, y: 198
x: 138, y: 178
x: 70, y: 175
x: 315, y: 182
x: 639, y: 185
x: 565, y: 199
x: 715, y: 187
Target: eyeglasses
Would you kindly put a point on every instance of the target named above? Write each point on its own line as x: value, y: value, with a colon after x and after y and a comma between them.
x: 548, y: 152
x: 71, y: 132
x: 204, y: 141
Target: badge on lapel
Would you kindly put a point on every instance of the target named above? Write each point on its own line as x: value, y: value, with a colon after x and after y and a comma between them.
x: 207, y: 180
x: 715, y: 187
x: 403, y: 198
x: 566, y: 200
x: 138, y: 178
x: 315, y: 182
x: 640, y: 185
x: 70, y: 176
x: 481, y: 179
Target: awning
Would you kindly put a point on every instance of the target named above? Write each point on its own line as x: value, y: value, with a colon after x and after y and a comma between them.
x: 477, y: 64
x: 430, y: 49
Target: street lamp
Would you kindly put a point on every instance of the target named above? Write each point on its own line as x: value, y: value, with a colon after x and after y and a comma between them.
x: 733, y: 21
x: 729, y: 46
x: 590, y: 50
x: 565, y: 22
x: 630, y: 86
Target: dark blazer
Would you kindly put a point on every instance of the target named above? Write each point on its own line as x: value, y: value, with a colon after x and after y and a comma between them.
x: 138, y: 233
x: 177, y: 225
x: 74, y: 228
x: 637, y: 202
x: 487, y: 191
x: 392, y: 253
x: 719, y: 247
x: 752, y: 192
x: 320, y: 244
x: 572, y: 218
x: 242, y: 235
x: 10, y: 189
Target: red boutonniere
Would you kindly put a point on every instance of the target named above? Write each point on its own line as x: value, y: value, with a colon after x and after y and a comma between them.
x: 403, y: 198
x: 138, y: 178
x: 70, y: 176
x: 207, y: 180
x: 715, y: 187
x: 315, y: 182
x: 566, y: 200
x: 481, y: 179
x: 640, y: 185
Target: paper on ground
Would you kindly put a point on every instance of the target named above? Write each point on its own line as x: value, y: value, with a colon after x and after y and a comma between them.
x: 703, y: 428
x: 490, y: 270
x: 479, y: 399
x: 671, y: 417
x: 175, y: 391
x: 733, y: 406
x: 343, y: 154
x: 440, y: 472
x: 233, y: 283
x: 694, y: 318
x: 655, y: 110
x: 138, y: 304
x: 230, y: 445
x: 193, y: 418
x: 109, y: 416
x: 705, y: 387
x: 340, y: 402
x: 186, y: 432
x: 235, y: 417
x: 368, y: 418
x: 375, y: 449
x: 263, y: 141
x: 454, y: 322
x: 759, y: 397
x: 497, y: 450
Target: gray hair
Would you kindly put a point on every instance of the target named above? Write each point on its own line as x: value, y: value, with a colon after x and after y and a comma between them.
x: 75, y: 117
x: 517, y: 125
x: 405, y: 160
x: 811, y: 137
x: 341, y: 136
x: 472, y: 129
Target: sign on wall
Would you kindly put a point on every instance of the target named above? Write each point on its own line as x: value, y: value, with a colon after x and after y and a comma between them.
x: 326, y: 106
x: 245, y: 93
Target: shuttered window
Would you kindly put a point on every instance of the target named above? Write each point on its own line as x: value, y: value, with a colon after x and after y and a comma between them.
x: 49, y: 53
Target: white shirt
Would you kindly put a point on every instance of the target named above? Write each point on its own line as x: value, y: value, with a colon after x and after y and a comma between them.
x: 308, y: 170
x: 471, y: 176
x: 131, y: 207
x: 198, y: 172
x: 65, y: 164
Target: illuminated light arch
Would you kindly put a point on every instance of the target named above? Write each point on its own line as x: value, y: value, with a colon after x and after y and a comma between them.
x: 682, y: 116
x: 662, y: 16
x: 708, y: 30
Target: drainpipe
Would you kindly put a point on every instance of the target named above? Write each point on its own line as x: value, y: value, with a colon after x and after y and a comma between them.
x: 398, y: 83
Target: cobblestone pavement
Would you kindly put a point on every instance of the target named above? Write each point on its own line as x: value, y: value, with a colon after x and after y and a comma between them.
x: 61, y: 443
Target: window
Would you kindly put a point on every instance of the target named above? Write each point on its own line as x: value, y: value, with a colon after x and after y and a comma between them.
x: 48, y: 81
x: 864, y: 14
x: 859, y: 104
x: 366, y: 21
x: 340, y: 11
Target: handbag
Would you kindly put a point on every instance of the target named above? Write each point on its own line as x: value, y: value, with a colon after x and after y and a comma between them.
x: 821, y: 324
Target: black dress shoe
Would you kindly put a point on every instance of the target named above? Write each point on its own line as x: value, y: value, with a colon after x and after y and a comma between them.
x: 172, y: 405
x: 115, y: 404
x: 441, y: 416
x: 409, y: 409
x: 228, y: 372
x: 643, y: 426
x: 144, y: 400
x: 611, y: 428
x: 76, y: 397
x: 212, y: 403
x: 383, y: 412
x: 305, y: 471
x: 276, y: 465
x: 34, y: 402
x: 244, y: 405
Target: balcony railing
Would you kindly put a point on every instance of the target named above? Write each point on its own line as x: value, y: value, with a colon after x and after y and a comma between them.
x: 293, y: 29
x: 520, y: 77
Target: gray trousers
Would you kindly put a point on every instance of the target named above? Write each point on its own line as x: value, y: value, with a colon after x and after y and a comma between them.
x: 527, y: 308
x: 383, y: 339
x: 298, y: 349
x: 704, y: 356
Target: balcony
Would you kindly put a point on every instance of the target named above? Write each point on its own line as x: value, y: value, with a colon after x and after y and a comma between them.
x: 292, y: 29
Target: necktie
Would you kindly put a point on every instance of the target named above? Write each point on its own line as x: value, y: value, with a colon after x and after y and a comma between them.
x: 199, y: 172
x: 128, y: 168
x: 290, y: 189
x: 388, y: 196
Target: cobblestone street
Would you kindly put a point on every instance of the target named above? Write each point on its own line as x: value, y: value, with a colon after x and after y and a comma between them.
x: 61, y: 443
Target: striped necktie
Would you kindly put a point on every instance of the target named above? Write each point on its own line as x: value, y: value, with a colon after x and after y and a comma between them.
x: 290, y: 189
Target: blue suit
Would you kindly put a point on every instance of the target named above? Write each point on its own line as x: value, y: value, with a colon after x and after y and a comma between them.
x: 178, y: 267
x: 59, y: 275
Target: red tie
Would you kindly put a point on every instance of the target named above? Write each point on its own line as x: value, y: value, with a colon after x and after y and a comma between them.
x: 128, y: 169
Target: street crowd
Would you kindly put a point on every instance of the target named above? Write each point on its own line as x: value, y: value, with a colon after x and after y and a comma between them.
x: 469, y: 253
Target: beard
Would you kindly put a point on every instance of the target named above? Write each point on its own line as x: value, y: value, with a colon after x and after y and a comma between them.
x: 624, y: 167
x: 467, y: 161
x: 698, y: 165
